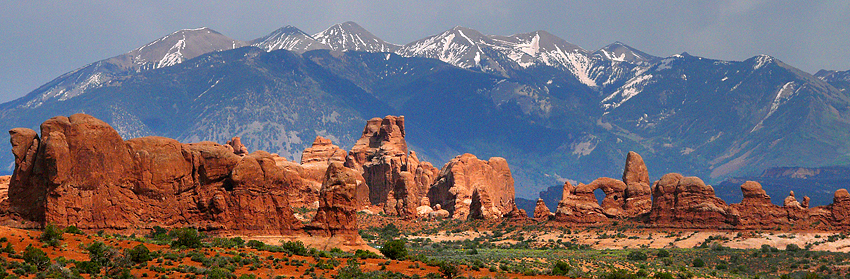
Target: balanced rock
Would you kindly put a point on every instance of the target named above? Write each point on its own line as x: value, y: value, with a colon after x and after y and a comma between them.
x: 792, y: 202
x: 471, y: 188
x: 541, y: 212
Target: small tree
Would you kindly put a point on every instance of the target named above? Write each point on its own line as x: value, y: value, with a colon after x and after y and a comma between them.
x: 138, y: 254
x: 663, y: 253
x: 449, y: 270
x: 51, y: 235
x: 394, y: 249
x: 36, y: 257
x: 186, y: 238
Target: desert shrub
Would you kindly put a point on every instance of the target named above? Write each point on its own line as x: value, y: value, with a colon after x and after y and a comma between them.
x: 8, y: 249
x: 792, y: 248
x: 73, y: 230
x: 256, y: 244
x: 219, y: 273
x: 560, y: 268
x: 636, y: 256
x: 36, y: 257
x: 138, y: 254
x: 394, y: 249
x: 618, y: 274
x: 88, y: 267
x: 159, y: 233
x: 449, y: 270
x: 663, y: 275
x: 51, y: 235
x: 662, y: 253
x: 295, y: 247
x: 185, y: 238
x: 363, y: 254
x: 698, y: 262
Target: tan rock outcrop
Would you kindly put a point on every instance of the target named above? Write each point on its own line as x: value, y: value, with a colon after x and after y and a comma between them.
x: 471, y: 188
x: 541, y: 212
x: 235, y: 143
x: 756, y: 210
x: 314, y: 164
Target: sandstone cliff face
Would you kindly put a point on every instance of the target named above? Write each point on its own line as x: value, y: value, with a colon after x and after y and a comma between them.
x: 471, y: 188
x: 396, y: 179
x: 82, y: 173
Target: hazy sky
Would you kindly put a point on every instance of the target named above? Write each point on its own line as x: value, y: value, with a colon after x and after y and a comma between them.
x: 40, y: 40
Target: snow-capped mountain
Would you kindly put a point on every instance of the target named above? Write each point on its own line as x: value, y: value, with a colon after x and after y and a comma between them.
x: 621, y: 52
x: 839, y: 79
x: 350, y: 36
x: 289, y: 38
x: 462, y: 47
x: 163, y: 52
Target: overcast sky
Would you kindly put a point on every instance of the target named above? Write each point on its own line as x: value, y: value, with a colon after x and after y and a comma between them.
x: 40, y: 40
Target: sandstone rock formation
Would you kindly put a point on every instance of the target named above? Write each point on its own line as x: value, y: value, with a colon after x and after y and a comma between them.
x: 80, y: 172
x: 235, y: 143
x: 756, y: 210
x: 337, y: 213
x: 541, y: 212
x: 314, y: 165
x: 471, y: 188
x: 687, y: 202
x: 396, y: 179
x: 424, y: 208
x: 4, y: 189
x: 623, y: 199
x: 439, y: 213
x: 841, y: 207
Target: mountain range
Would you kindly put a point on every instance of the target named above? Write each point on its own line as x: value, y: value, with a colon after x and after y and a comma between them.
x: 554, y: 110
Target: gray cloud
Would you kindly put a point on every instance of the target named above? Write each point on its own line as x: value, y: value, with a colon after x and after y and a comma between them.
x: 44, y: 39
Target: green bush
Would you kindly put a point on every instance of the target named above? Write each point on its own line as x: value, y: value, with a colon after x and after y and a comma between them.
x: 663, y: 253
x: 73, y: 230
x: 663, y: 275
x: 256, y: 244
x: 51, y: 235
x: 698, y: 262
x: 138, y: 254
x: 394, y: 249
x: 185, y: 238
x: 636, y: 256
x: 88, y: 267
x: 36, y: 257
x: 449, y: 270
x: 219, y: 273
x: 792, y: 248
x: 363, y: 254
x: 561, y: 268
x: 295, y: 247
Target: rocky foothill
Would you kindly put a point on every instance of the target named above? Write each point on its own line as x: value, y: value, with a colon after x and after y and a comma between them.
x: 79, y: 171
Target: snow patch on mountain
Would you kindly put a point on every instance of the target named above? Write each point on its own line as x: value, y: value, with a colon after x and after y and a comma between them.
x: 633, y: 87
